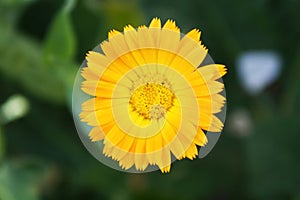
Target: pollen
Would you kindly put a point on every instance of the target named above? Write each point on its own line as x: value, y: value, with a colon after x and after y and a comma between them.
x: 152, y: 100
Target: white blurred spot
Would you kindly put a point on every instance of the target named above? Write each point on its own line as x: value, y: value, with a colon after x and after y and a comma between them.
x: 240, y: 122
x: 15, y: 107
x: 258, y: 69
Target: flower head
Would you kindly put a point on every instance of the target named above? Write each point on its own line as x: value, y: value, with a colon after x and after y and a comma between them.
x: 150, y: 99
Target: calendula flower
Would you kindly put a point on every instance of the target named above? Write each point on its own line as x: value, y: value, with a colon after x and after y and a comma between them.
x: 151, y: 100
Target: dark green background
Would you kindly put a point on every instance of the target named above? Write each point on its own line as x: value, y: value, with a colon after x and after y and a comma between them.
x: 42, y: 44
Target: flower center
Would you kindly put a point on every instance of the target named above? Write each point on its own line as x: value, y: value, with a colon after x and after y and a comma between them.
x: 152, y: 100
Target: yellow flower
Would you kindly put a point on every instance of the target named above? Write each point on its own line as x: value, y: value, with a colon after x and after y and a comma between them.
x: 151, y: 101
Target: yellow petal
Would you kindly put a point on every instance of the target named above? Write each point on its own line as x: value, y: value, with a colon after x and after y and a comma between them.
x: 90, y: 74
x: 140, y: 147
x: 169, y: 41
x: 200, y: 138
x: 187, y: 134
x: 211, y: 88
x: 168, y: 134
x: 182, y: 66
x: 212, y: 71
x: 122, y: 48
x: 104, y: 116
x: 105, y: 90
x: 194, y: 35
x: 107, y: 149
x: 96, y: 104
x: 108, y: 50
x: 154, y: 143
x: 190, y: 48
x: 186, y: 45
x: 107, y: 127
x: 140, y: 157
x: 146, y: 42
x: 97, y: 58
x: 170, y: 24
x: 155, y: 30
x: 90, y: 118
x: 118, y: 43
x: 84, y: 114
x: 155, y: 23
x: 117, y: 153
x: 210, y: 122
x: 211, y: 104
x: 89, y: 87
x: 142, y: 162
x: 191, y: 152
x: 114, y: 136
x: 196, y: 55
x: 165, y: 162
x: 126, y: 143
x: 96, y: 134
x: 222, y: 70
x: 130, y: 35
x: 153, y: 148
x: 127, y: 161
x: 113, y: 33
x: 177, y: 148
x: 170, y: 36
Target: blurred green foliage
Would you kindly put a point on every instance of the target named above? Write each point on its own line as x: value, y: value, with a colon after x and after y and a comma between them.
x: 42, y: 44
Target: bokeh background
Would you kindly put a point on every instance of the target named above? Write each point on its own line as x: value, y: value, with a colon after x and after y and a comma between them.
x: 42, y: 44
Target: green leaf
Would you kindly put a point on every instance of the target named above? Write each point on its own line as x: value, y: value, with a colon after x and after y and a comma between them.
x: 2, y: 145
x: 60, y: 42
x: 21, y: 180
x: 21, y: 62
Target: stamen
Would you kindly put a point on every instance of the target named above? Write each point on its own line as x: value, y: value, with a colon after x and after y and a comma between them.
x: 152, y: 100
